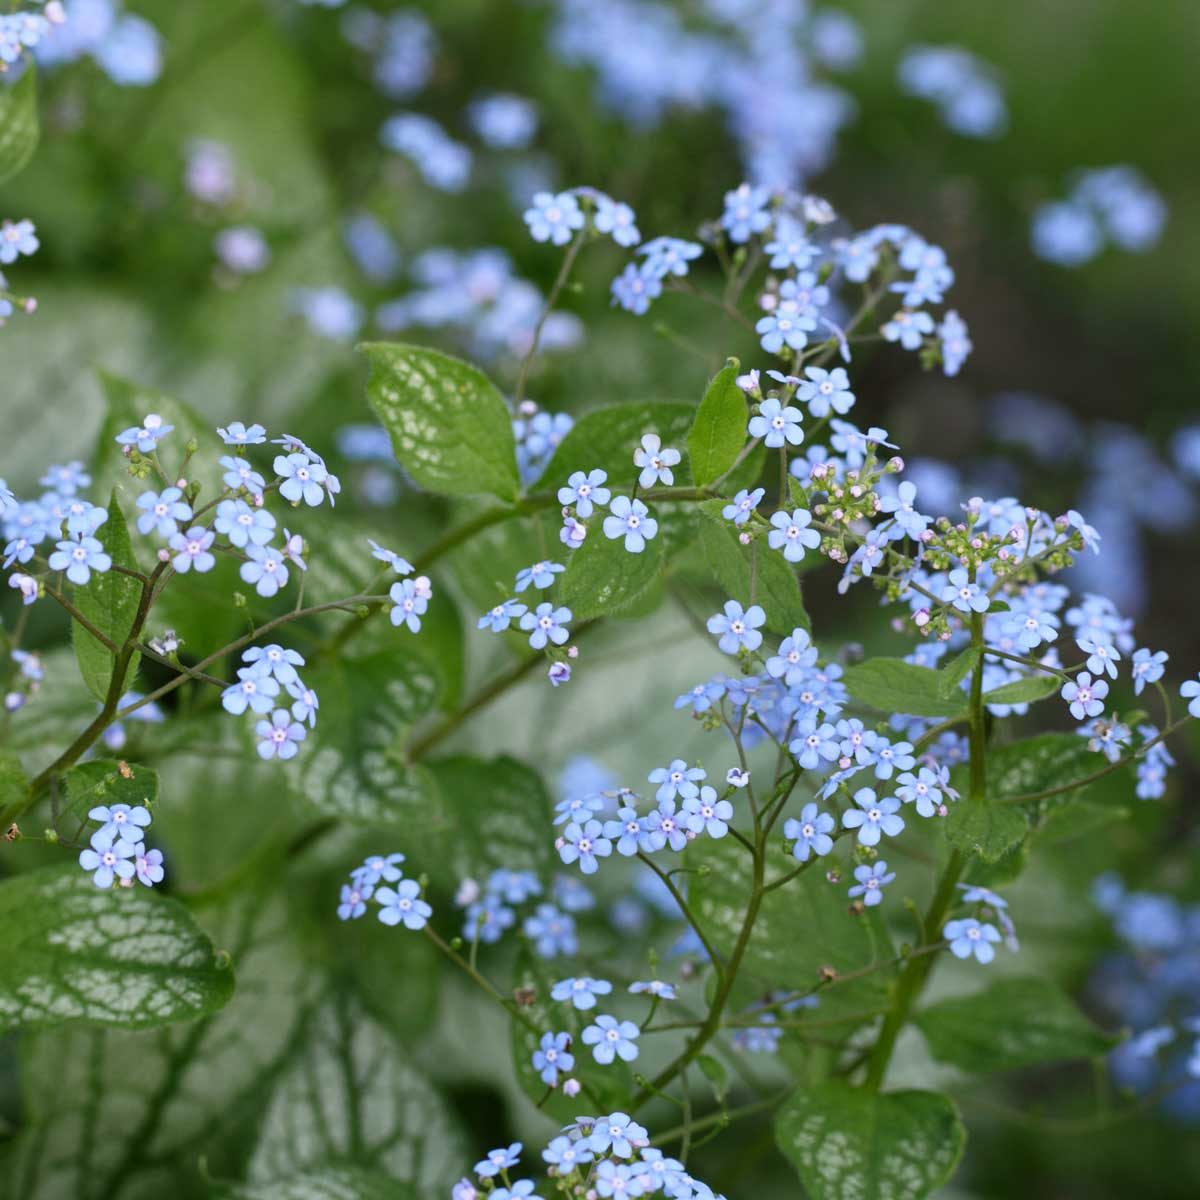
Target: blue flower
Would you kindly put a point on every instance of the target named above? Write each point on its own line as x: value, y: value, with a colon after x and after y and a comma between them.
x: 192, y: 550
x: 79, y: 558
x: 962, y: 594
x: 871, y: 882
x: 402, y: 904
x: 744, y: 503
x: 810, y: 833
x: 956, y: 344
x: 400, y: 565
x: 665, y: 828
x: 737, y: 628
x: 1147, y: 667
x: 148, y: 864
x: 522, y: 1189
x: 303, y: 478
x: 924, y: 789
x: 572, y: 533
x: 499, y: 618
x: 616, y: 1179
x: 1102, y: 654
x: 487, y: 920
x: 790, y: 250
x: 379, y: 867
x: 243, y: 524
x: 265, y: 569
x: 1086, y: 697
x: 498, y: 1160
x: 581, y: 992
x: 707, y: 814
x: 552, y: 1056
x: 969, y: 937
x: 669, y: 256
x: 145, y: 436
x: 567, y: 809
x: 629, y: 519
x: 701, y: 697
x: 889, y: 756
x: 907, y: 328
x: 629, y: 832
x: 305, y: 703
x: 66, y: 480
x: 553, y: 218
x: 280, y: 737
x: 238, y: 434
x: 275, y: 660
x: 109, y: 859
x: 84, y: 517
x: 255, y: 690
x: 617, y: 1134
x: 610, y: 1038
x: 540, y: 575
x: 655, y: 462
x: 813, y: 743
x: 873, y: 817
x: 547, y: 623
x: 584, y: 491
x: 792, y: 534
x: 676, y: 779
x: 1190, y: 691
x: 551, y: 931
x: 796, y: 655
x: 240, y: 474
x: 653, y: 987
x: 906, y: 515
x: 409, y: 603
x: 565, y: 1155
x: 776, y: 425
x: 784, y: 327
x: 353, y: 901
x: 162, y: 511
x: 583, y: 844
x: 745, y: 212
x: 121, y: 821
x: 826, y: 391
x: 26, y: 585
x: 635, y: 287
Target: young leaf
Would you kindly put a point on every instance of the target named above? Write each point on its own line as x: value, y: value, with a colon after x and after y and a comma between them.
x: 849, y: 1143
x: 18, y: 122
x: 754, y: 572
x: 1013, y: 1023
x: 1024, y: 691
x: 989, y: 830
x: 891, y: 685
x: 127, y: 957
x: 110, y: 602
x: 603, y: 577
x: 955, y: 671
x: 719, y: 431
x: 450, y: 427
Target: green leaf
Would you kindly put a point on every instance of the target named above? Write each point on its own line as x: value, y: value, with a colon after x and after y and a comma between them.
x: 72, y: 952
x: 985, y: 828
x: 715, y: 1071
x: 607, y: 437
x: 106, y: 781
x: 328, y: 1183
x: 776, y: 587
x: 18, y: 122
x: 955, y: 671
x: 1076, y: 819
x: 351, y: 1093
x: 110, y: 602
x: 849, y: 1143
x: 893, y: 686
x: 603, y: 577
x: 14, y: 783
x: 1014, y: 1023
x: 449, y: 425
x: 492, y: 813
x: 1024, y: 691
x: 1053, y: 760
x: 353, y: 765
x: 719, y: 431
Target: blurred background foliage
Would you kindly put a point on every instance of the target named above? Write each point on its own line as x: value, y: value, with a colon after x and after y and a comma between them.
x: 127, y: 280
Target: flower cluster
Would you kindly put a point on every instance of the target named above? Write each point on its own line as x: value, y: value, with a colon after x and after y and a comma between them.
x: 117, y: 850
x: 381, y: 881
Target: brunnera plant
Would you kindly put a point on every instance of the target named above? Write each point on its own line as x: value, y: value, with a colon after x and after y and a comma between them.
x: 849, y: 829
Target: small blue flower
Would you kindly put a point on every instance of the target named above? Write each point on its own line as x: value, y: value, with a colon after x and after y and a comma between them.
x: 969, y: 937
x: 66, y: 480
x: 792, y: 535
x: 552, y: 1056
x: 243, y: 524
x: 121, y: 821
x: 409, y: 603
x: 79, y: 558
x: 616, y: 1179
x: 581, y: 992
x: 653, y: 987
x: 826, y: 391
x: 84, y: 517
x: 616, y: 219
x: 498, y: 1160
x: 487, y: 920
x: 565, y: 1155
x: 669, y: 256
x: 1147, y: 667
x: 192, y: 550
x: 676, y: 779
x: 400, y: 565
x: 610, y: 1038
x: 635, y: 288
x: 109, y: 859
x: 280, y: 737
x: 924, y: 789
x: 956, y: 344
x: 707, y: 814
x: 540, y: 575
x: 145, y: 436
x: 275, y: 660
x: 813, y: 743
x: 796, y: 655
x: 303, y: 478
x: 353, y: 901
x: 963, y: 595
x: 584, y: 844
x: 743, y: 504
x: 810, y: 833
x: 871, y: 882
x: 377, y: 868
x: 784, y: 327
x: 546, y: 623
x: 26, y: 585
x: 776, y: 425
x: 702, y: 697
x: 873, y: 817
x: 790, y: 250
x: 1086, y: 696
x: 553, y: 218
x: 1190, y: 691
x: 902, y: 506
x: 745, y: 212
x: 551, y: 931
x: 148, y: 864
x: 630, y: 519
x: 737, y: 627
x: 628, y: 832
x: 305, y: 702
x: 255, y: 690
x: 240, y: 474
x: 907, y: 328
x: 617, y: 1134
x: 402, y: 904
x: 162, y: 511
x: 498, y: 619
x: 238, y: 434
x: 655, y: 461
x: 889, y: 756
x: 265, y: 569
x: 1091, y: 539
x: 584, y: 491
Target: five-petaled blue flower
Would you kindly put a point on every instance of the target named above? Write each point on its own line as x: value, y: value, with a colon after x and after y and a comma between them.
x: 162, y: 511
x: 653, y: 987
x: 810, y: 833
x: 255, y: 690
x: 745, y: 212
x: 552, y: 1056
x: 1190, y: 691
x: 240, y: 474
x: 403, y: 904
x: 280, y: 737
x: 969, y: 937
x: 303, y: 478
x: 243, y: 524
x: 79, y: 558
x: 145, y: 436
x: 585, y: 491
x: 962, y: 594
x: 906, y: 516
x: 616, y: 219
x: 379, y: 867
x: 744, y: 503
x: 707, y: 814
x: 583, y: 844
x: 353, y: 901
x: 409, y: 602
x: 737, y: 627
x: 1103, y: 656
x: 551, y: 931
x: 265, y: 569
x: 873, y: 817
x: 1147, y: 667
x: 540, y: 575
x: 275, y: 660
x: 655, y: 461
x: 546, y: 623
x: 581, y: 992
x: 676, y: 779
x: 148, y: 864
x: 553, y: 218
x: 792, y: 535
x: 796, y: 655
x: 498, y: 1160
x: 400, y: 565
x: 617, y: 1134
x: 825, y: 391
x: 924, y: 789
x: 192, y: 550
x: 109, y: 859
x: 239, y: 434
x: 871, y: 882
x: 1086, y: 696
x: 630, y: 519
x: 776, y: 425
x: 813, y: 743
x: 499, y: 618
x: 121, y: 820
x: 610, y: 1038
